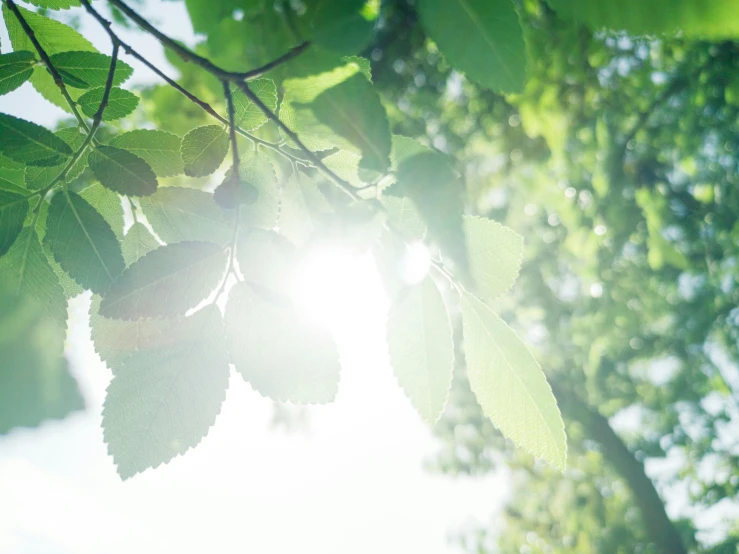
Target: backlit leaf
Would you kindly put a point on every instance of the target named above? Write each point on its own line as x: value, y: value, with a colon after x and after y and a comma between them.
x: 163, y: 401
x: 137, y: 242
x: 36, y: 178
x: 421, y: 350
x: 248, y: 116
x: 182, y: 214
x: 203, y: 149
x: 495, y: 253
x: 509, y: 384
x: 122, y: 172
x: 166, y: 282
x: 15, y: 69
x: 120, y: 103
x: 31, y: 144
x: 304, y: 208
x: 89, y: 69
x: 83, y: 242
x: 482, y: 38
x: 13, y: 211
x: 161, y: 150
x: 281, y: 355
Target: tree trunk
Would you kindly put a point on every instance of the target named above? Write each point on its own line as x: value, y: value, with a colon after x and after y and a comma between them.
x: 660, y: 528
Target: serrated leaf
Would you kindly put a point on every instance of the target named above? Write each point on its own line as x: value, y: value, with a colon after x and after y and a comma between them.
x: 137, y: 243
x: 31, y: 144
x: 26, y: 272
x: 122, y: 172
x: 161, y: 150
x: 55, y: 4
x: 35, y: 384
x: 183, y: 214
x: 258, y: 171
x: 203, y: 149
x: 116, y: 339
x: 166, y: 282
x: 509, y: 384
x: 248, y: 116
x: 433, y: 185
x: 15, y: 69
x: 266, y: 259
x: 281, y: 355
x: 108, y: 203
x: 53, y: 36
x: 13, y: 211
x: 89, y: 69
x: 494, y: 253
x: 120, y: 103
x: 403, y: 148
x: 696, y: 18
x: 419, y: 337
x: 482, y: 38
x: 345, y: 164
x: 162, y: 402
x: 304, y: 208
x: 354, y: 111
x: 403, y: 216
x: 83, y: 242
x: 36, y: 178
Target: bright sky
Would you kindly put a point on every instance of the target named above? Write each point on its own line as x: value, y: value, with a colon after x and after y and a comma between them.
x: 352, y: 483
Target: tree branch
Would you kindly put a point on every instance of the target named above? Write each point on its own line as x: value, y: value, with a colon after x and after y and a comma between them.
x: 190, y: 56
x: 232, y: 131
x: 660, y: 529
x: 47, y: 62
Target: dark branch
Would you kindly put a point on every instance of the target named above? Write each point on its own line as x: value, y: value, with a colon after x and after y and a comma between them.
x: 190, y: 56
x: 47, y: 62
x: 232, y: 131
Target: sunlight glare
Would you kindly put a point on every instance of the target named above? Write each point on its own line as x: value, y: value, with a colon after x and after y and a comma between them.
x: 415, y: 263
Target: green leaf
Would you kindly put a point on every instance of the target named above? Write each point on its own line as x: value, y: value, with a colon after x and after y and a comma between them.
x: 163, y: 401
x: 137, y: 243
x: 31, y: 144
x: 53, y: 36
x: 203, y: 149
x: 509, y: 384
x: 115, y: 339
x: 35, y: 384
x: 281, y: 355
x: 26, y: 271
x: 338, y: 25
x: 83, y: 242
x: 37, y: 178
x: 304, y: 209
x: 266, y: 259
x: 108, y: 203
x: 404, y: 217
x: 166, y: 282
x: 183, y: 214
x: 404, y: 148
x: 345, y: 164
x: 257, y: 170
x: 122, y: 172
x: 15, y: 69
x: 419, y: 337
x: 120, y: 103
x: 55, y: 4
x: 354, y: 111
x: 495, y: 253
x: 13, y: 211
x: 434, y: 186
x: 89, y: 69
x: 716, y: 19
x: 482, y: 38
x: 248, y: 116
x: 161, y: 150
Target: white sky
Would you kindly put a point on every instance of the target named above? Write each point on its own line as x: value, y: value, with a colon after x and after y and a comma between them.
x: 353, y: 483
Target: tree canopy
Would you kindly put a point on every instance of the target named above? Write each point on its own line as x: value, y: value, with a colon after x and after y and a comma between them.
x: 570, y: 165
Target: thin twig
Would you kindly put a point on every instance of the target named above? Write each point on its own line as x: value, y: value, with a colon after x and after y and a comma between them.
x: 232, y: 130
x: 190, y: 56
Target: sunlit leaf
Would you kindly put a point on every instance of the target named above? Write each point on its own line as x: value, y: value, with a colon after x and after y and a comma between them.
x: 203, y: 149
x: 248, y: 115
x: 161, y: 150
x: 13, y: 210
x: 137, y: 242
x: 166, y: 282
x: 122, y: 172
x: 28, y: 143
x: 495, y: 253
x: 509, y: 384
x: 89, y: 69
x: 15, y: 69
x: 120, y: 103
x: 419, y: 337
